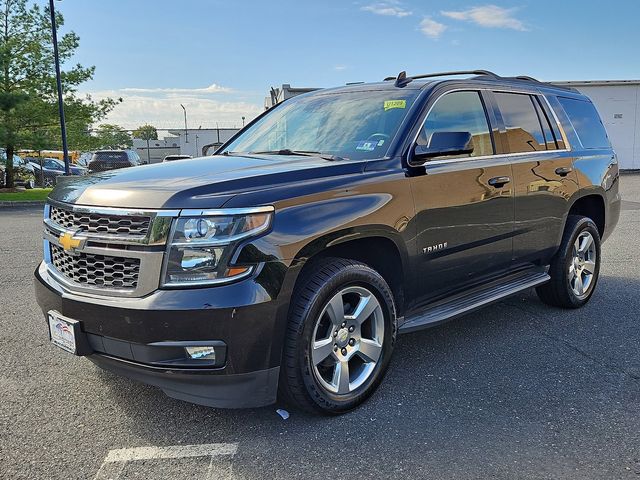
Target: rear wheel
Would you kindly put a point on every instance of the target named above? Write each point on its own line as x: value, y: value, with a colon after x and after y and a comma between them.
x: 575, y: 268
x: 341, y: 332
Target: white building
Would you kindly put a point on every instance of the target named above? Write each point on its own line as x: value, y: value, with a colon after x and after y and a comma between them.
x: 196, y: 142
x: 156, y: 150
x: 618, y: 102
x: 201, y: 141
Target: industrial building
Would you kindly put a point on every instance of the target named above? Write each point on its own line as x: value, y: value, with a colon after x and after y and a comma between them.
x: 193, y: 141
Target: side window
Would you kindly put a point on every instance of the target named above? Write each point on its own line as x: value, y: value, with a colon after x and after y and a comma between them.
x: 524, y: 132
x: 459, y: 112
x: 586, y: 122
x: 549, y: 137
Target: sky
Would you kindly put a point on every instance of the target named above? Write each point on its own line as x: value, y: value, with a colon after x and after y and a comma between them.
x: 220, y: 58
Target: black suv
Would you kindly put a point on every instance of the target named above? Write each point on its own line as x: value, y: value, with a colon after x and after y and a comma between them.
x: 104, y: 160
x: 286, y: 264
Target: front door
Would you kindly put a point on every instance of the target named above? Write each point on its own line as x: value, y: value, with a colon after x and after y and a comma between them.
x: 464, y: 204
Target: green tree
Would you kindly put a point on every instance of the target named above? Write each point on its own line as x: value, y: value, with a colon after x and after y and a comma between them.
x: 112, y: 136
x: 146, y: 132
x: 28, y: 99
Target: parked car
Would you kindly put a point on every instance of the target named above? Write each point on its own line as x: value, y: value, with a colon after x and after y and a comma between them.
x: 171, y: 158
x: 286, y: 264
x: 22, y: 172
x: 52, y: 168
x: 104, y: 160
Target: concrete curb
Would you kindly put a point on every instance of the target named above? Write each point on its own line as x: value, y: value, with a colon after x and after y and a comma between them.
x: 34, y: 203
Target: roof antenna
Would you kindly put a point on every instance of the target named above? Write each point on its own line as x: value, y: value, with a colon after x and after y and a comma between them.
x: 401, y: 79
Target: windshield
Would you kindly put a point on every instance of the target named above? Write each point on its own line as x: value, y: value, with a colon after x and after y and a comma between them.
x: 353, y: 125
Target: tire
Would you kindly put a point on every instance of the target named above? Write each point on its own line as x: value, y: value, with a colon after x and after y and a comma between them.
x: 49, y: 182
x: 29, y: 184
x: 319, y: 342
x: 569, y: 264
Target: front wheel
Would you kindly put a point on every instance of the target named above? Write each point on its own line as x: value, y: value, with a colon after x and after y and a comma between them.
x: 575, y: 268
x: 341, y: 332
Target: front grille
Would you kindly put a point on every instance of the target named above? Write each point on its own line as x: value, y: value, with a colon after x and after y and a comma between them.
x: 100, y: 223
x: 101, y: 271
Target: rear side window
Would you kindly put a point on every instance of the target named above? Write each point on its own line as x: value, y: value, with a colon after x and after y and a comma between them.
x: 586, y: 122
x: 459, y: 112
x: 522, y: 121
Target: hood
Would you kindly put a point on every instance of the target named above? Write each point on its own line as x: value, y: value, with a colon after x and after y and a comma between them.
x: 206, y: 182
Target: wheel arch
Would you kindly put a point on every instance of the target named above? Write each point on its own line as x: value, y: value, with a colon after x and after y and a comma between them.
x: 591, y: 205
x: 380, y: 248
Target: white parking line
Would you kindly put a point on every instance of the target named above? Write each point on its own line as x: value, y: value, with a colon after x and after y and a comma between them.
x: 115, y: 461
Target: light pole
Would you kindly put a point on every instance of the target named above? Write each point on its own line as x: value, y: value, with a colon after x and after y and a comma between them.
x: 63, y: 127
x: 186, y: 131
x: 243, y: 121
x: 197, y: 153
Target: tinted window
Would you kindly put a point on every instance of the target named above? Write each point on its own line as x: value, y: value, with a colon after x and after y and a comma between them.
x: 586, y: 122
x: 459, y: 112
x: 110, y: 156
x: 546, y: 125
x: 524, y: 133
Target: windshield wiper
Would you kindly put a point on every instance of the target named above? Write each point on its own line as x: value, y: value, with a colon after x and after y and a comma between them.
x: 305, y: 153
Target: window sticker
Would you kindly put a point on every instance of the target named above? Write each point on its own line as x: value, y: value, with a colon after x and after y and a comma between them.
x: 389, y: 104
x: 367, y: 145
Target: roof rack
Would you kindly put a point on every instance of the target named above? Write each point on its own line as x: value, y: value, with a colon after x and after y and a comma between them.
x: 402, y: 78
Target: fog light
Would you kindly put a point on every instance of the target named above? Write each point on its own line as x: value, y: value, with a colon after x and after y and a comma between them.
x: 201, y: 353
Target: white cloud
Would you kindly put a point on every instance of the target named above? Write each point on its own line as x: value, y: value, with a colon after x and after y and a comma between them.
x: 213, y: 88
x: 161, y: 108
x: 431, y: 28
x: 390, y: 9
x: 340, y: 67
x: 488, y: 16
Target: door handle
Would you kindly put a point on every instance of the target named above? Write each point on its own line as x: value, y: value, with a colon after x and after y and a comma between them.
x: 499, y: 181
x: 563, y: 171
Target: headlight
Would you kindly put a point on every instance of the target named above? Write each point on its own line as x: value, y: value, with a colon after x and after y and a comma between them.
x: 201, y: 246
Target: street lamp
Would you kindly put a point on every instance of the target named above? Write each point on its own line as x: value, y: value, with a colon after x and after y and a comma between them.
x: 186, y: 132
x: 63, y: 127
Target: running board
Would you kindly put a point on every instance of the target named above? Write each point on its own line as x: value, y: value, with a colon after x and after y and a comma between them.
x: 468, y: 301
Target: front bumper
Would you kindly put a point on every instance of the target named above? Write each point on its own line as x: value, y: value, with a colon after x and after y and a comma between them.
x: 126, y: 335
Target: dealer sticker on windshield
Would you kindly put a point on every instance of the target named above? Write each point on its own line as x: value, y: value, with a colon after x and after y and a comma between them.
x: 389, y: 104
x: 367, y: 145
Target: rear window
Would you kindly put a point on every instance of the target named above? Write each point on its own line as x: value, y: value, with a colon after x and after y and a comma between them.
x: 586, y: 122
x: 110, y: 156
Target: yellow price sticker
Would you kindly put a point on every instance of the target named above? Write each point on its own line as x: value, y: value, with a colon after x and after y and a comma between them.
x: 389, y: 104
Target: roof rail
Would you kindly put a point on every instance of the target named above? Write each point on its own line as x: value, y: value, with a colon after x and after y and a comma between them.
x: 402, y: 78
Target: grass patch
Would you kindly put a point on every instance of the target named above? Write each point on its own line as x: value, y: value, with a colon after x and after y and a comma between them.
x: 15, y: 195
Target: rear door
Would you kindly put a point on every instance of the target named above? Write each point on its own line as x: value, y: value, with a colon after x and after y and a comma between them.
x: 543, y: 174
x: 464, y: 204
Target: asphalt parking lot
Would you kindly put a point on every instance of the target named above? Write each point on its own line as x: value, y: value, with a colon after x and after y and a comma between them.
x: 518, y: 390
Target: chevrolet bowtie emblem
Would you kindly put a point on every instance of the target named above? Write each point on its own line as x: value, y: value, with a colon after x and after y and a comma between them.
x: 68, y: 242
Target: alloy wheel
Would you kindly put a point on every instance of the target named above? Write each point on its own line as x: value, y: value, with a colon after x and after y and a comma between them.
x: 346, y: 344
x: 582, y: 265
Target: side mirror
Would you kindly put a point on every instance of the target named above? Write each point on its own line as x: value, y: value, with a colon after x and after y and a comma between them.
x: 444, y: 144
